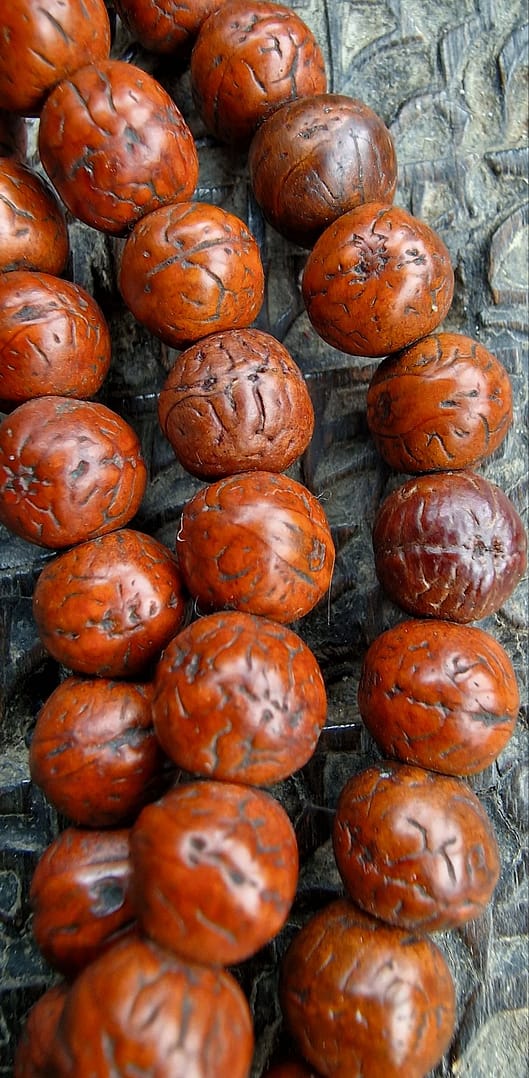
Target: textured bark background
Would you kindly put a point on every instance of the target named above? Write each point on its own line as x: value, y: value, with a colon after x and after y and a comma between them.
x: 450, y: 79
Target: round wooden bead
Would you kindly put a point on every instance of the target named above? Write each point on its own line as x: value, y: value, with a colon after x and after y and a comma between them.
x: 415, y: 848
x: 38, y: 1033
x: 377, y: 280
x: 256, y: 542
x: 109, y: 606
x: 69, y: 470
x: 191, y: 269
x: 362, y: 998
x: 240, y: 698
x: 94, y: 752
x: 53, y: 338
x: 215, y: 870
x: 317, y: 157
x: 165, y: 26
x: 440, y: 695
x: 115, y: 145
x: 251, y: 56
x: 80, y: 897
x: 449, y: 545
x: 160, y: 1015
x: 236, y: 401
x: 33, y: 232
x: 445, y: 402
x: 45, y: 43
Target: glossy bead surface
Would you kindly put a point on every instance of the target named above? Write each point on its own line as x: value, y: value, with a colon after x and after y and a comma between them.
x: 47, y: 42
x: 317, y: 157
x: 415, y: 848
x: 80, y: 897
x: 251, y: 56
x: 256, y: 542
x: 38, y: 1033
x: 450, y: 545
x: 109, y: 606
x: 236, y: 401
x: 69, y: 470
x: 165, y: 26
x: 215, y: 870
x: 440, y: 695
x: 238, y: 698
x: 362, y: 998
x: 445, y: 402
x: 377, y: 280
x: 33, y: 232
x: 115, y: 145
x: 94, y: 752
x: 53, y: 338
x: 191, y: 269
x: 162, y: 1016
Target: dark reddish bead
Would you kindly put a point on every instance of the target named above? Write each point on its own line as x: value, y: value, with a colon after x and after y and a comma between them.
x: 317, y: 157
x: 450, y: 545
x: 53, y: 338
x: 440, y: 695
x: 115, y: 145
x: 377, y: 280
x: 215, y: 870
x: 161, y: 1016
x: 363, y: 998
x: 240, y: 698
x: 33, y: 232
x: 109, y: 606
x: 81, y: 897
x: 165, y: 26
x: 45, y: 43
x: 236, y: 402
x: 94, y: 752
x: 191, y: 269
x: 257, y: 542
x: 38, y: 1034
x: 445, y: 402
x: 415, y: 848
x: 251, y: 56
x: 69, y: 470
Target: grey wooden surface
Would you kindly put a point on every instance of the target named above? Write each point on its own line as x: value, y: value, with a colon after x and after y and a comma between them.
x: 450, y: 79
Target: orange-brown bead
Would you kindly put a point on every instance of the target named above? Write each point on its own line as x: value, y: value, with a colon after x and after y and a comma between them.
x: 165, y: 26
x: 33, y: 232
x: 39, y: 1032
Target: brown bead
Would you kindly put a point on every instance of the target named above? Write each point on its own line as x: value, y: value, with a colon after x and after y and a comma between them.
x: 69, y: 470
x: 115, y: 145
x: 156, y: 1015
x: 13, y: 135
x: 38, y: 1034
x: 240, y: 698
x: 445, y: 402
x: 377, y: 280
x: 415, y: 848
x: 215, y: 870
x: 94, y: 752
x: 45, y: 43
x: 440, y: 695
x: 80, y: 897
x: 53, y: 338
x: 189, y: 270
x: 250, y: 57
x: 450, y: 545
x: 317, y: 157
x: 33, y: 232
x: 109, y: 606
x: 236, y: 402
x: 257, y: 542
x: 363, y: 998
x: 165, y: 26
